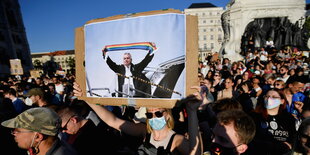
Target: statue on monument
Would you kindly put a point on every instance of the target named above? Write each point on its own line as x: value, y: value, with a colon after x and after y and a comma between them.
x: 50, y: 67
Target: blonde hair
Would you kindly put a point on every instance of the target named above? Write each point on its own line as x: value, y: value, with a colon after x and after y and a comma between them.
x: 169, y: 120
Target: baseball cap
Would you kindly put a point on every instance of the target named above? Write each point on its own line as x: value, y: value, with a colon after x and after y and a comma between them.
x: 41, y: 119
x: 35, y: 91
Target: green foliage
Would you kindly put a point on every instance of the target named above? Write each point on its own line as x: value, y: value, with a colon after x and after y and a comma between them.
x: 37, y: 64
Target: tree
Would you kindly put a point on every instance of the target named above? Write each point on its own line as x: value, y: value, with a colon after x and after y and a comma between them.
x: 37, y: 64
x: 71, y: 63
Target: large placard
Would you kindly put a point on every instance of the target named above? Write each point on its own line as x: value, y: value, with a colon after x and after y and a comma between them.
x: 145, y: 59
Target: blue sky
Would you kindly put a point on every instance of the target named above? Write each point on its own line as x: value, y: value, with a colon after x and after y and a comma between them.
x: 50, y: 24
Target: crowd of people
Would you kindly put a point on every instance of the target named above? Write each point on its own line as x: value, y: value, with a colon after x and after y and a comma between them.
x: 259, y: 105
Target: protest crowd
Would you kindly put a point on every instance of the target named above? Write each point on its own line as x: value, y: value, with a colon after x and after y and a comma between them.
x: 259, y: 105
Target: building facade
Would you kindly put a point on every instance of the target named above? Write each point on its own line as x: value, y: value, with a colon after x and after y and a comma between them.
x: 13, y: 40
x: 210, y: 31
x: 64, y: 59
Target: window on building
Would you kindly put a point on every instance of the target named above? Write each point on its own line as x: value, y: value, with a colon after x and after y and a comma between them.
x: 204, y: 30
x: 211, y: 37
x: 219, y: 29
x: 219, y: 37
x: 205, y: 46
x: 211, y: 21
x: 218, y: 13
x: 211, y: 29
x: 204, y: 37
x: 212, y: 45
x: 203, y: 14
x: 210, y: 13
x: 204, y: 21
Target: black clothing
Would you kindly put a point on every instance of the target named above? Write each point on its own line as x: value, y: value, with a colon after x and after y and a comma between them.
x: 92, y: 139
x: 148, y: 149
x: 271, y: 133
x: 136, y: 70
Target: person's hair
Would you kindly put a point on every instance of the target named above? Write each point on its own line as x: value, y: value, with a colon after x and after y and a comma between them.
x: 78, y: 108
x: 210, y: 80
x: 10, y: 91
x: 280, y: 82
x: 243, y: 124
x: 128, y: 54
x: 226, y: 104
x: 284, y: 66
x: 260, y: 108
x: 269, y: 76
x: 170, y: 121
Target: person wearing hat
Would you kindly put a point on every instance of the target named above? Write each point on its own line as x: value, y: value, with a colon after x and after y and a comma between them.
x: 36, y: 130
x: 36, y: 97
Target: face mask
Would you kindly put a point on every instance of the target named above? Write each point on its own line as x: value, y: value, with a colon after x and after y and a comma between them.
x: 272, y: 103
x: 217, y: 149
x: 252, y: 70
x: 28, y: 101
x: 157, y: 123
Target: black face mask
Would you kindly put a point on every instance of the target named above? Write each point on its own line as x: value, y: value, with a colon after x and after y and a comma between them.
x: 217, y: 149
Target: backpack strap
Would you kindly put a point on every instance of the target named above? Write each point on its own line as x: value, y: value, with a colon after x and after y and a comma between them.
x: 170, y: 143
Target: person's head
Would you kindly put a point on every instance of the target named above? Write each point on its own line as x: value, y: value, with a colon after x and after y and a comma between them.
x: 34, y: 126
x: 55, y: 79
x: 229, y: 82
x: 127, y: 59
x: 274, y: 101
x: 39, y: 81
x: 283, y: 70
x: 305, y: 112
x: 245, y: 76
x: 51, y: 88
x: 208, y: 82
x: 158, y: 118
x: 233, y: 131
x: 303, y: 143
x: 210, y: 74
x: 270, y: 79
x: 296, y: 86
x: 292, y: 72
x: 279, y: 84
x: 34, y: 96
x: 300, y: 72
x: 255, y: 80
x: 226, y: 104
x: 72, y: 116
x: 217, y: 76
x: 9, y: 93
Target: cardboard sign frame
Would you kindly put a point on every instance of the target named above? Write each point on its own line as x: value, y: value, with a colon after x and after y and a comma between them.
x: 191, y: 61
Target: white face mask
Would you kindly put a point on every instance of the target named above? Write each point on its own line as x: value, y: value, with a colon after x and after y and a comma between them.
x: 28, y: 101
x: 271, y: 103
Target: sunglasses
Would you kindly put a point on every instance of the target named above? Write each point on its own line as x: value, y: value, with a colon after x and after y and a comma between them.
x: 278, y: 84
x: 158, y: 114
x: 65, y: 126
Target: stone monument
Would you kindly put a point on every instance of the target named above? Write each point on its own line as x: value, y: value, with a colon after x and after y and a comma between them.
x: 240, y: 13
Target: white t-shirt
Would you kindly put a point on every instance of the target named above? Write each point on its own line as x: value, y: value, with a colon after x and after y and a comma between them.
x: 59, y: 88
x: 263, y: 55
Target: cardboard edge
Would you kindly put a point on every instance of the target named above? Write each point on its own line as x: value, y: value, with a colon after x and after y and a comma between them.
x: 191, y: 64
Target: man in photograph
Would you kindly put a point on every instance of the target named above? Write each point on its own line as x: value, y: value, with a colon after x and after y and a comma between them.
x: 131, y: 80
